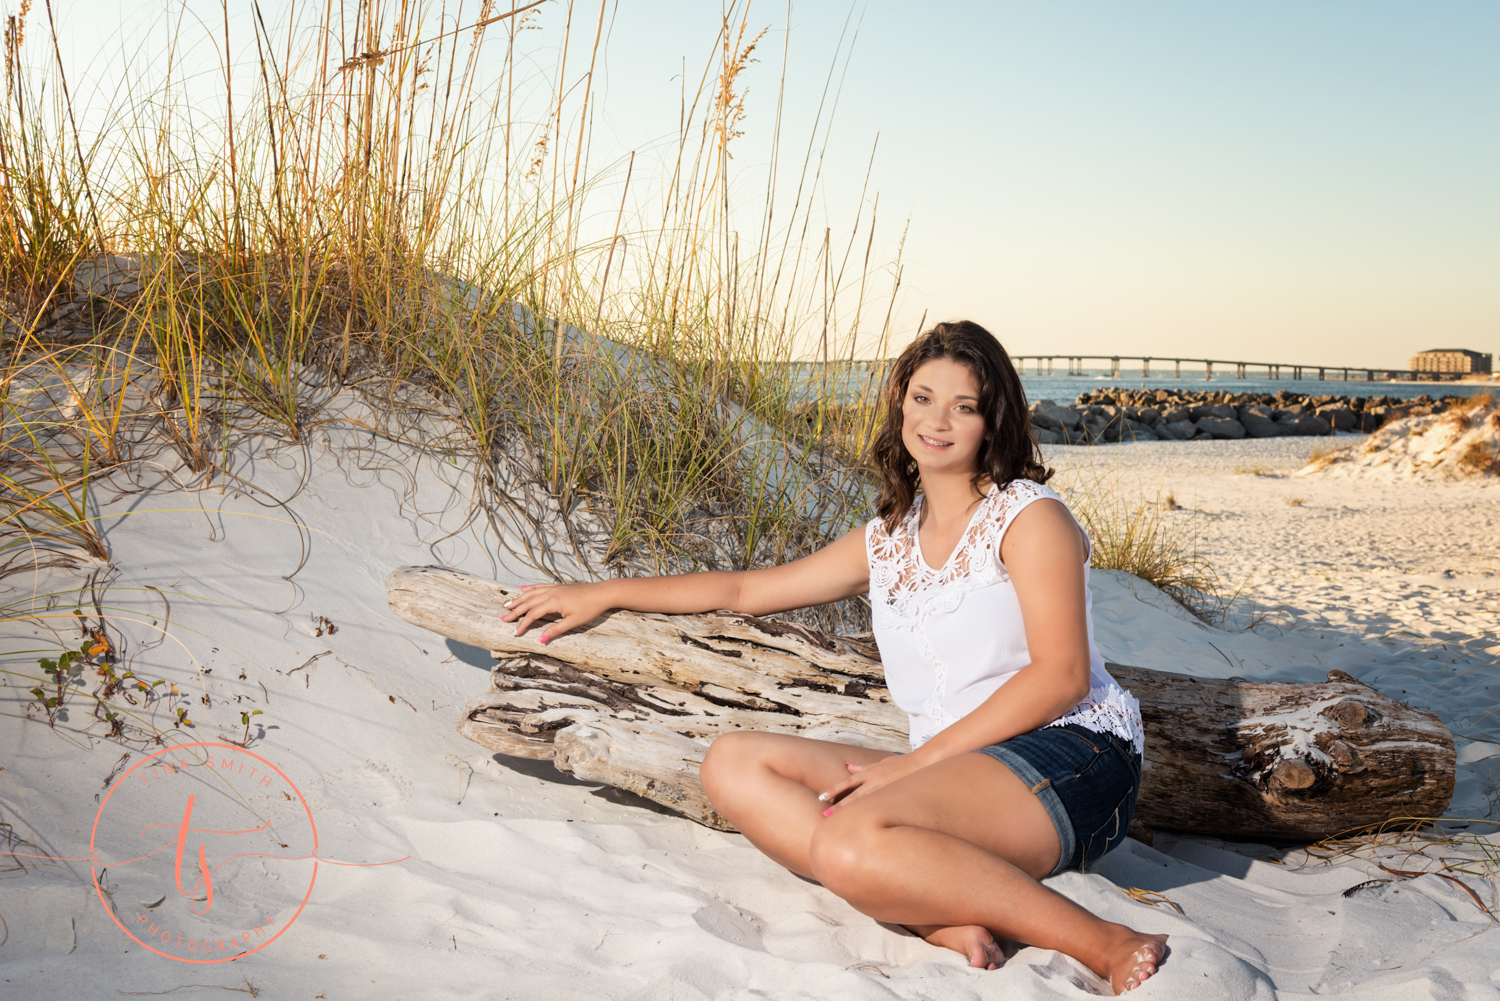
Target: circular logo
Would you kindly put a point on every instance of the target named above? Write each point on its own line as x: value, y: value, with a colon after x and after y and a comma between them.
x: 204, y: 853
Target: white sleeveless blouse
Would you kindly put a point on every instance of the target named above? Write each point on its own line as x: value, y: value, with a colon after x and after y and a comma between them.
x: 950, y: 637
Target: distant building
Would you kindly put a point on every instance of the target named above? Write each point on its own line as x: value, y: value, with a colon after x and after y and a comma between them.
x: 1455, y: 360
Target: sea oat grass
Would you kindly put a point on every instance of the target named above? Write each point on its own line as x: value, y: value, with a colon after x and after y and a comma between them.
x: 353, y: 220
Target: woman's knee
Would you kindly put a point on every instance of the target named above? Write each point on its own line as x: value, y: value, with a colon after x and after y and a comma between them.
x: 844, y: 854
x: 728, y: 759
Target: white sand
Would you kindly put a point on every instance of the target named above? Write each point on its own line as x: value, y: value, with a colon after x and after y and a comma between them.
x: 518, y: 882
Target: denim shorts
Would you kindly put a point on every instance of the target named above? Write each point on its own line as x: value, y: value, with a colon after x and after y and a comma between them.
x: 1086, y: 780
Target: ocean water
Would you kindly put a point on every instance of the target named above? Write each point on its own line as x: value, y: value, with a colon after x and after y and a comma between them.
x: 1065, y: 388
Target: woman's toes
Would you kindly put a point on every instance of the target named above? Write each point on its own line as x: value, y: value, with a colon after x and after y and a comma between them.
x: 1141, y: 962
x: 988, y: 956
x: 973, y: 942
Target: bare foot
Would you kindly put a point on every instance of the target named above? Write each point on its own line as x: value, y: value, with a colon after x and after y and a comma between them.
x: 1134, y: 960
x: 972, y: 941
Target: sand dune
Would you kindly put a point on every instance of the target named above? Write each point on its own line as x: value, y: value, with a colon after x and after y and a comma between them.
x: 1461, y: 444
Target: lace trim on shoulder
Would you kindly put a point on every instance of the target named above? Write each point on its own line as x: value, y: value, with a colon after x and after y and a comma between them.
x: 1109, y: 709
x: 901, y: 582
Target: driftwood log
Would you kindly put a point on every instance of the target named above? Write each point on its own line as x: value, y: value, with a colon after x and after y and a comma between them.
x: 632, y: 700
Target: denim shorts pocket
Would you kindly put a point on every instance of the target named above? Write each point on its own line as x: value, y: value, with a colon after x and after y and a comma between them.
x: 1109, y: 834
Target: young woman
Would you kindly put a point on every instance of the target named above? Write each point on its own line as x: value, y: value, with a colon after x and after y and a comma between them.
x: 1026, y: 755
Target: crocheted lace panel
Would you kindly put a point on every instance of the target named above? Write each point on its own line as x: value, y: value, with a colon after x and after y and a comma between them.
x: 905, y: 590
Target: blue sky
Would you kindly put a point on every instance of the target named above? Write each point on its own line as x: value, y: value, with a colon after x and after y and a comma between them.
x: 1299, y: 182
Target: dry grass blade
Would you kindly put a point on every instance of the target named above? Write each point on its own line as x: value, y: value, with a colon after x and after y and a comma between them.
x: 1150, y: 897
x: 1412, y: 874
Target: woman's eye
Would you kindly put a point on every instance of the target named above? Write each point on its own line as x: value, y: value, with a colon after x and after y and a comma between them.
x: 919, y: 398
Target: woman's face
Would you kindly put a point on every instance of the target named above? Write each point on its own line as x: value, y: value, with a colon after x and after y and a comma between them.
x: 940, y: 421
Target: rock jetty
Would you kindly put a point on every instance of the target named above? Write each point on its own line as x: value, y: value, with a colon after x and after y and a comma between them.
x: 1112, y: 415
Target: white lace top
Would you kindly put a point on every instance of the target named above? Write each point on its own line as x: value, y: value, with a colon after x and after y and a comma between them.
x: 950, y: 637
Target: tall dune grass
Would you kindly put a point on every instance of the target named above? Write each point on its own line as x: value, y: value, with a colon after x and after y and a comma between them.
x: 364, y: 214
x: 373, y: 221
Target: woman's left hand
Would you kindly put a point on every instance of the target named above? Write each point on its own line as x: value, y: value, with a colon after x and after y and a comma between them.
x: 865, y: 779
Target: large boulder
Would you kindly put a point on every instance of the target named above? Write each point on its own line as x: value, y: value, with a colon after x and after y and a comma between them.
x: 1094, y: 426
x: 1221, y: 427
x: 1304, y: 424
x: 1046, y: 436
x: 1341, y: 418
x: 1180, y: 430
x: 1220, y: 411
x: 1176, y: 415
x: 1259, y: 423
x: 1058, y: 418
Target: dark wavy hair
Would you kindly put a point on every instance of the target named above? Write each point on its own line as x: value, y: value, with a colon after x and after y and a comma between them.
x: 1010, y: 451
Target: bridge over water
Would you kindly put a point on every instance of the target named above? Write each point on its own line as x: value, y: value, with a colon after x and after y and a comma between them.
x: 1338, y: 373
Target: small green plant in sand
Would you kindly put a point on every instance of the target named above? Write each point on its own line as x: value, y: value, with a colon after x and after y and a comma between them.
x: 89, y: 674
x: 244, y: 741
x: 58, y: 673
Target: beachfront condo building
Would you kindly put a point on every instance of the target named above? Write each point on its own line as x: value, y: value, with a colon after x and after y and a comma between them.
x: 1451, y: 360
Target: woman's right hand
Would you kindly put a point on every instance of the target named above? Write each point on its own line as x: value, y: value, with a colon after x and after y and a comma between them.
x: 575, y: 604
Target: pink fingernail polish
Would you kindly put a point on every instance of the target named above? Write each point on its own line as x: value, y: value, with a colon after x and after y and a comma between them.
x: 544, y: 639
x: 827, y: 811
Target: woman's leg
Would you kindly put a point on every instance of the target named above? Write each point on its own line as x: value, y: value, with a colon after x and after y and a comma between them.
x: 963, y: 842
x: 766, y: 784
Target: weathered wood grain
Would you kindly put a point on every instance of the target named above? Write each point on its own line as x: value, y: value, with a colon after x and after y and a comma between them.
x: 630, y: 698
x: 1281, y: 760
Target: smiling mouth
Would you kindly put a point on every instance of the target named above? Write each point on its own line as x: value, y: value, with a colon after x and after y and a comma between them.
x: 934, y: 442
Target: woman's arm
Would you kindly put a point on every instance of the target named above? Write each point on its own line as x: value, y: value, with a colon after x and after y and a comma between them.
x: 1044, y: 552
x: 839, y: 570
